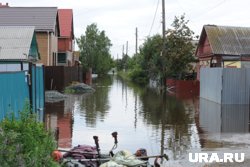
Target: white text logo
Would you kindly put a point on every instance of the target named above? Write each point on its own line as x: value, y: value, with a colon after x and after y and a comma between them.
x: 226, y: 157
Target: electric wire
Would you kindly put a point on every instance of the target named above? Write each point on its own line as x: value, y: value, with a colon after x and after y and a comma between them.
x: 208, y: 10
x: 154, y: 17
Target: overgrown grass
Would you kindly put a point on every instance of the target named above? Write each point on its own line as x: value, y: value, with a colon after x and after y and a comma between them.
x: 123, y: 75
x: 24, y: 142
x: 137, y: 76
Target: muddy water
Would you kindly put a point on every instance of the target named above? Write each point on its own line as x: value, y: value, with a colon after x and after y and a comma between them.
x: 145, y: 118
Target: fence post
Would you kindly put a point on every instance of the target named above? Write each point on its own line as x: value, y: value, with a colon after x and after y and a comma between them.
x: 30, y: 87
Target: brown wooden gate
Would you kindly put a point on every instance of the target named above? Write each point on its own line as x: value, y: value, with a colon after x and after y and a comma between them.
x: 58, y: 77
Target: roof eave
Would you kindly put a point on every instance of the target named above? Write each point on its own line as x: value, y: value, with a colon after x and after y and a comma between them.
x: 44, y: 30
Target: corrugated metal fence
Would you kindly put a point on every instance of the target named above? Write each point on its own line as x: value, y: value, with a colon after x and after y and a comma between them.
x: 58, y: 77
x: 211, y: 84
x: 16, y: 89
x: 225, y: 85
x: 227, y: 118
x: 37, y: 91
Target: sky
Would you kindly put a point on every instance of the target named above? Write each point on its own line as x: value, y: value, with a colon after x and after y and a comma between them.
x: 119, y: 18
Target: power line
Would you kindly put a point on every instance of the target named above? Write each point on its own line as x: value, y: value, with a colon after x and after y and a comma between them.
x: 209, y: 9
x: 154, y: 18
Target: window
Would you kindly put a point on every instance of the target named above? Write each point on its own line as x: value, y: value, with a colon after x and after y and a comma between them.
x: 62, y: 58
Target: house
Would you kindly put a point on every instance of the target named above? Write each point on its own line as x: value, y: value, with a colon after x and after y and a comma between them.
x: 45, y: 21
x: 4, y: 5
x: 223, y: 46
x: 66, y: 37
x: 21, y: 80
x: 18, y: 47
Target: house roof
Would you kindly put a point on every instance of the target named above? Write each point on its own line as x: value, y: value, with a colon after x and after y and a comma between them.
x: 43, y: 18
x: 65, y: 17
x: 227, y: 40
x: 15, y: 42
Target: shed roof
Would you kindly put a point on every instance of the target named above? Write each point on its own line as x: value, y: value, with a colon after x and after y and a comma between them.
x: 65, y: 17
x: 15, y: 42
x: 228, y: 40
x: 43, y: 18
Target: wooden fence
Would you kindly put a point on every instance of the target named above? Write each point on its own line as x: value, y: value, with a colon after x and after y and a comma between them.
x: 58, y: 77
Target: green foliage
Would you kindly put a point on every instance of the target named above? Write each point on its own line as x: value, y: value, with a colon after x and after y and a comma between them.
x: 134, y: 70
x: 152, y: 59
x: 95, y: 50
x: 25, y: 142
x: 119, y: 65
x: 69, y: 91
x: 155, y: 64
x: 179, y: 50
x: 123, y: 64
x: 176, y: 59
x: 138, y: 76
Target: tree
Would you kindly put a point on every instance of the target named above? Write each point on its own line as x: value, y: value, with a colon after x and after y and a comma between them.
x: 136, y: 73
x: 95, y: 50
x: 179, y: 48
x: 179, y: 52
x: 151, y: 51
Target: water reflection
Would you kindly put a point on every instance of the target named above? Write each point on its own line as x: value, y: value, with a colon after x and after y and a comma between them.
x: 94, y: 108
x: 58, y: 115
x: 223, y: 126
x: 216, y: 118
x: 158, y: 122
x: 144, y: 118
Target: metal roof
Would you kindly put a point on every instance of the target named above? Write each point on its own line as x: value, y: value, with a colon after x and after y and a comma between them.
x: 43, y: 18
x: 65, y: 17
x: 226, y: 40
x: 15, y: 42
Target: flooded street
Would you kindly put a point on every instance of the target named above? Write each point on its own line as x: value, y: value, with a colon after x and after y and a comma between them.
x: 147, y: 119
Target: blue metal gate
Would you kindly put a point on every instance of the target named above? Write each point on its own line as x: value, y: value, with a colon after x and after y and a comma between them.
x: 17, y: 89
x: 14, y: 92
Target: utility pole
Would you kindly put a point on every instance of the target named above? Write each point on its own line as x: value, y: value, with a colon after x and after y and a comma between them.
x: 163, y: 27
x: 117, y: 61
x: 122, y: 51
x: 136, y: 40
x: 127, y: 49
x: 163, y: 79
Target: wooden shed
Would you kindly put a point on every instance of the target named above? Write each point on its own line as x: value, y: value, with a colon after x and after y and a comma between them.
x: 223, y: 46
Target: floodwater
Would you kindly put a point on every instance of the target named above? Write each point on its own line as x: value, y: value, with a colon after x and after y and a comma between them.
x: 145, y: 118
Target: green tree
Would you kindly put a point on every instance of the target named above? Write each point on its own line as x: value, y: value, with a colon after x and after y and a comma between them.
x: 152, y: 60
x: 95, y: 50
x: 138, y: 72
x: 179, y: 52
x: 179, y: 48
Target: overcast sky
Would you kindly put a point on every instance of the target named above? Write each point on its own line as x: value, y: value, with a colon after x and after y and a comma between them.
x: 119, y: 18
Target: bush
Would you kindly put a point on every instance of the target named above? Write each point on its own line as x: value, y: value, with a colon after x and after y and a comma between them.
x: 24, y: 142
x: 138, y: 76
